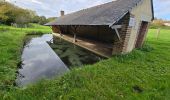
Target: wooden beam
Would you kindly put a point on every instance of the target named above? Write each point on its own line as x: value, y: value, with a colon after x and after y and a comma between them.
x: 117, y: 33
x: 74, y: 32
x: 74, y: 38
x: 60, y: 32
x: 116, y: 27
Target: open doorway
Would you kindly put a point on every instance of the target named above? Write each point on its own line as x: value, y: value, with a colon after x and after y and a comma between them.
x: 141, y: 34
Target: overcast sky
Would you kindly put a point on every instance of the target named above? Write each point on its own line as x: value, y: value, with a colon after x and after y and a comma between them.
x: 52, y: 8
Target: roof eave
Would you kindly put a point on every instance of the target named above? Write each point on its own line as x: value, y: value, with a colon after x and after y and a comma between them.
x: 152, y: 10
x: 118, y: 19
x: 124, y: 14
x: 76, y: 24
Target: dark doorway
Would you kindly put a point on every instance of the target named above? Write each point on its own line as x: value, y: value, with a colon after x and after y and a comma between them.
x: 141, y: 34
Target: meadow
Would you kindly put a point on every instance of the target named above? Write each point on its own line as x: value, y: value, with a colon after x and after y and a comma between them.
x: 142, y: 74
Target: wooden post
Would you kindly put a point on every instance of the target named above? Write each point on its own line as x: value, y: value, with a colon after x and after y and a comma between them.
x: 60, y: 33
x: 116, y: 27
x: 117, y: 34
x: 74, y: 32
x: 74, y: 38
x: 158, y: 33
x: 60, y: 30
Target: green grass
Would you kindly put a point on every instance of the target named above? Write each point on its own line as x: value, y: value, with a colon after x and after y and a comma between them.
x: 142, y: 74
x: 11, y: 42
x: 156, y: 26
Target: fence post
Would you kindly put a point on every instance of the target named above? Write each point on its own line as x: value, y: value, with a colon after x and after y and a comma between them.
x: 158, y: 33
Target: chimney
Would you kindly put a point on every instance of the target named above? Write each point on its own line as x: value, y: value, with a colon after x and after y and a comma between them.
x: 62, y: 13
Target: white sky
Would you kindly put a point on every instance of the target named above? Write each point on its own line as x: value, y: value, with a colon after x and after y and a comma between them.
x: 52, y: 8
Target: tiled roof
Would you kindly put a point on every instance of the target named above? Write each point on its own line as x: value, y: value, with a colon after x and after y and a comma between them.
x: 105, y: 14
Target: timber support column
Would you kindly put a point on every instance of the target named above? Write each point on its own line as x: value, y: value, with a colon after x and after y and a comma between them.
x: 74, y: 38
x: 74, y: 32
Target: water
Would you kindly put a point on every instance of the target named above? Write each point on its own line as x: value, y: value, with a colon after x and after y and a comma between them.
x: 39, y: 61
x: 42, y: 60
x: 72, y: 55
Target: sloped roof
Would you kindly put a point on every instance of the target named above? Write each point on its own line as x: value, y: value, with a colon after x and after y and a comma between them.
x: 105, y: 14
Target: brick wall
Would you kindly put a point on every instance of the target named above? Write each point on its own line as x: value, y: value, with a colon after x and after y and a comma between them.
x: 121, y: 45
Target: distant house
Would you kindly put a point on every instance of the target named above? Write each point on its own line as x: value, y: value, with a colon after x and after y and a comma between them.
x: 113, y: 28
x: 167, y: 24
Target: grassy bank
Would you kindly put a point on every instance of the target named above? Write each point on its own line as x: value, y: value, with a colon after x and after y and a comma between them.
x: 142, y: 74
x: 11, y: 42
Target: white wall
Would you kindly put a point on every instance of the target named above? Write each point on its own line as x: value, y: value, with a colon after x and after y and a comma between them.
x: 142, y: 12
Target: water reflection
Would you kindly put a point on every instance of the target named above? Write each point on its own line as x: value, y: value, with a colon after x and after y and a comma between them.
x: 39, y: 61
x: 72, y: 55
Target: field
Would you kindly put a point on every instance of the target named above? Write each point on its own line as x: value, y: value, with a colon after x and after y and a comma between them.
x: 143, y: 74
